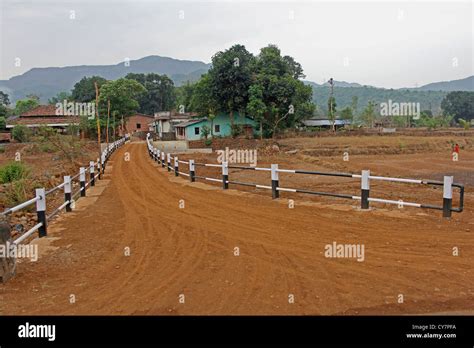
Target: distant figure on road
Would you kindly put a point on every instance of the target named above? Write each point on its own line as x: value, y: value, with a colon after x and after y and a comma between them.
x: 455, y: 154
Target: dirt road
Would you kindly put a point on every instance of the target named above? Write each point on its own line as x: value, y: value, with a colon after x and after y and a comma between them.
x: 191, y: 251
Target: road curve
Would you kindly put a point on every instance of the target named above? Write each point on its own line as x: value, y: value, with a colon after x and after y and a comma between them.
x: 191, y: 251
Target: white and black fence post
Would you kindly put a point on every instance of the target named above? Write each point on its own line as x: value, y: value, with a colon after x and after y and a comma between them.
x: 364, y: 189
x: 162, y: 159
x: 447, y: 196
x: 275, y: 192
x: 41, y: 211
x: 168, y: 160
x: 82, y: 181
x: 176, y: 166
x: 91, y: 171
x: 67, y: 192
x: 225, y: 175
x: 98, y: 167
x: 158, y: 156
x: 192, y: 174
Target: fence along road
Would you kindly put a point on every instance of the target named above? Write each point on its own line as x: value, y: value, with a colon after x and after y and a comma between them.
x: 95, y: 169
x: 365, y: 178
x: 190, y: 251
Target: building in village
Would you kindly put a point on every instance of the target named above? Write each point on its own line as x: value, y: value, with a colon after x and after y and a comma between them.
x: 221, y: 126
x: 44, y: 116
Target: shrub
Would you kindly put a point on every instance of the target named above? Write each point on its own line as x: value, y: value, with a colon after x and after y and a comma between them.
x: 2, y: 149
x: 21, y: 133
x: 18, y: 192
x: 208, y: 142
x: 13, y: 171
x: 236, y: 130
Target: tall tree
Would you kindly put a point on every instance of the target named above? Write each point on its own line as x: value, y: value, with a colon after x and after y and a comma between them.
x: 368, y: 115
x: 123, y: 95
x: 459, y: 104
x: 160, y: 93
x: 84, y: 90
x: 4, y: 99
x: 277, y: 92
x: 231, y: 77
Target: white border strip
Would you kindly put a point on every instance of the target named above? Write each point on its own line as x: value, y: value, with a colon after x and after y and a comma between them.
x: 402, y: 203
x: 383, y: 178
x: 263, y: 186
x: 27, y: 234
x: 212, y: 179
x: 286, y: 189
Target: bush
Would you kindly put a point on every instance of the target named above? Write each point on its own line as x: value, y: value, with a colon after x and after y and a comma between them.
x: 2, y: 149
x: 236, y: 130
x: 13, y: 171
x: 208, y: 142
x: 21, y: 133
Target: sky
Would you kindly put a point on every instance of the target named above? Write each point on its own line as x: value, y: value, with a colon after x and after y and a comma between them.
x: 379, y: 43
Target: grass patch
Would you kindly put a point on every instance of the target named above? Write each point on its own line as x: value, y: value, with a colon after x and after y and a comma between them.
x: 13, y: 171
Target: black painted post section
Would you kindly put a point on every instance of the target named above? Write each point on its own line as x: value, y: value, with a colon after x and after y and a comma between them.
x: 225, y: 175
x: 41, y: 211
x: 364, y: 189
x: 91, y: 171
x: 192, y: 174
x: 447, y: 196
x: 82, y: 180
x: 275, y: 181
x: 169, y: 163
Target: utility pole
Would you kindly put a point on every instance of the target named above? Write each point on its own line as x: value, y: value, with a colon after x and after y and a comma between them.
x: 331, y: 84
x: 108, y: 118
x: 97, y: 116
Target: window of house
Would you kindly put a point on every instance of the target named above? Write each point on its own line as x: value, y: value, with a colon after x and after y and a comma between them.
x: 139, y: 125
x: 196, y: 130
x: 217, y: 128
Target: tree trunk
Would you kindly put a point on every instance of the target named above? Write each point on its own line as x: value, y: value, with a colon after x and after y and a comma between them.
x: 261, y: 130
x: 231, y: 117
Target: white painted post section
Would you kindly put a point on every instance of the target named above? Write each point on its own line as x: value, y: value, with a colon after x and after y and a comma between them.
x: 275, y: 181
x: 447, y: 195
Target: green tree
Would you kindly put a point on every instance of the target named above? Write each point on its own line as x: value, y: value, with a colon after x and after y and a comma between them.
x: 231, y: 77
x: 160, y: 92
x: 123, y: 95
x: 346, y: 114
x: 464, y: 123
x: 459, y: 104
x: 60, y: 98
x: 368, y: 115
x: 24, y: 105
x: 4, y: 99
x: 3, y: 123
x: 256, y: 106
x: 203, y: 100
x: 277, y: 92
x: 354, y: 105
x: 184, y: 96
x: 84, y: 90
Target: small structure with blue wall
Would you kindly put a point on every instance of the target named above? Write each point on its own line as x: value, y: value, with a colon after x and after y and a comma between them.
x: 221, y: 126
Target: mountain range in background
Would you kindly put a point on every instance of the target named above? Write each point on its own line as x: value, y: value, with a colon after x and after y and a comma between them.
x: 48, y: 82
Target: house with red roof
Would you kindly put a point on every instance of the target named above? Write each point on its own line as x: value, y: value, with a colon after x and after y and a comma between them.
x: 44, y: 115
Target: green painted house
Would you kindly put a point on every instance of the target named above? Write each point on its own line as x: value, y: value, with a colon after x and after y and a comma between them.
x: 192, y: 129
